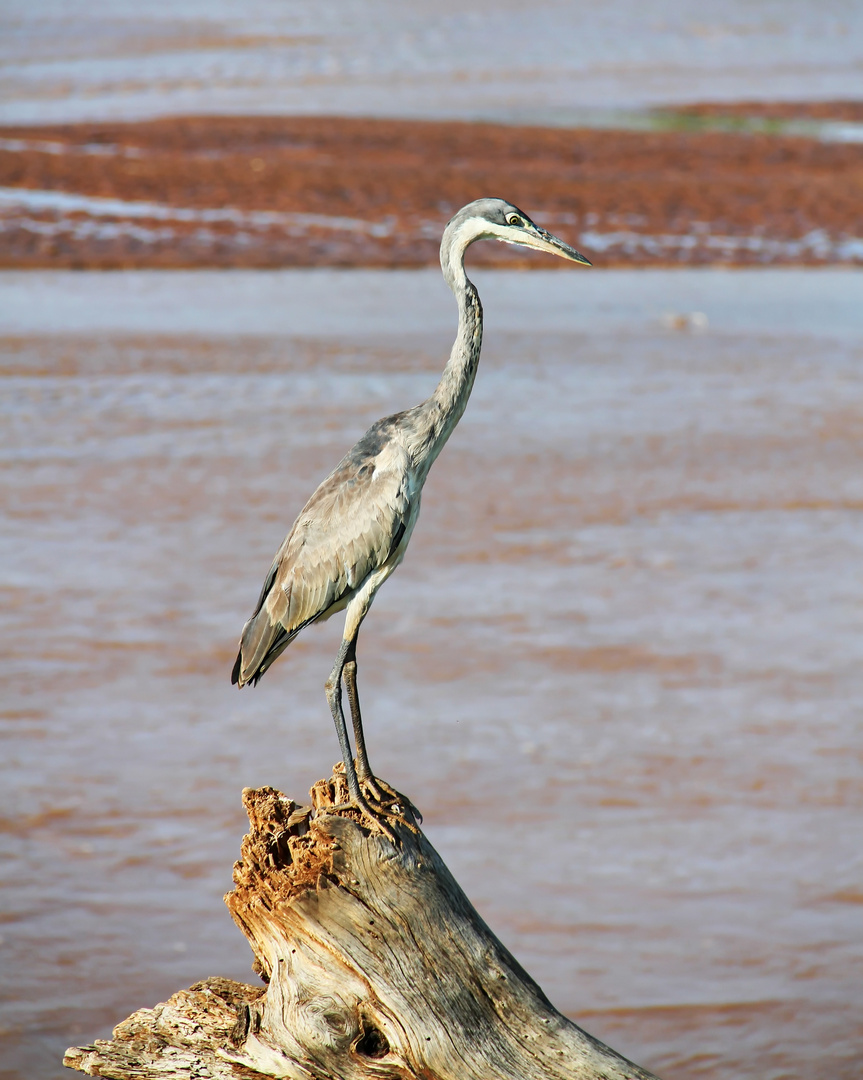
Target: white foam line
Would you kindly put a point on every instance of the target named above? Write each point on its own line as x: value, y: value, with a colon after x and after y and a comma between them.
x: 102, y: 230
x: 64, y: 202
x: 842, y: 132
x: 43, y: 146
x: 817, y: 243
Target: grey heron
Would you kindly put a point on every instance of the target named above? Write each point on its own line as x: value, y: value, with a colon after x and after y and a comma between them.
x: 354, y: 530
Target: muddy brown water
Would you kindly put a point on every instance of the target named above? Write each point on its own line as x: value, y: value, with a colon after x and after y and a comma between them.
x: 619, y: 670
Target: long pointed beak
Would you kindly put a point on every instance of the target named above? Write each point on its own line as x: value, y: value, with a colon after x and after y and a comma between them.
x: 533, y: 236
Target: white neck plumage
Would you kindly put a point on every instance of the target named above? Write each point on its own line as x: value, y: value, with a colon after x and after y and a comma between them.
x: 437, y: 416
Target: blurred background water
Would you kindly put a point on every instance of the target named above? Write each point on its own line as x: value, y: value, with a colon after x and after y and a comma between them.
x: 619, y: 670
x: 556, y: 61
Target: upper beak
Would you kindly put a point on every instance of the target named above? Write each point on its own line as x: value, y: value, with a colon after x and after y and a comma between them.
x: 535, y: 237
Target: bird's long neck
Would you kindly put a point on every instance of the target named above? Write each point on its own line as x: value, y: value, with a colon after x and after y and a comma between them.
x: 442, y: 411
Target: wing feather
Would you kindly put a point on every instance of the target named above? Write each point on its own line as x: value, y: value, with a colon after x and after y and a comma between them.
x: 349, y: 528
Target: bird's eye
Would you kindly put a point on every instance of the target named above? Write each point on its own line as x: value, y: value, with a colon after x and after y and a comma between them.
x: 514, y: 219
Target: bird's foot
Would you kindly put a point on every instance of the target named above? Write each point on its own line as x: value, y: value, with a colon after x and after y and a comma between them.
x: 376, y: 819
x: 377, y: 802
x: 390, y: 802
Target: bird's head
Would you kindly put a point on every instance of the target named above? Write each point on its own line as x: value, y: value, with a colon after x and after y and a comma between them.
x: 496, y: 219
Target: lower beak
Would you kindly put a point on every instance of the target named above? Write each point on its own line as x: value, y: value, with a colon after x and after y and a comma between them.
x: 544, y: 241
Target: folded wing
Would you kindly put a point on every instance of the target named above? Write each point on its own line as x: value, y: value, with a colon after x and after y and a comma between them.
x: 349, y: 528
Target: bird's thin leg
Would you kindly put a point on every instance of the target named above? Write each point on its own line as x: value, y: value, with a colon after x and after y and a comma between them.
x: 369, y: 784
x: 368, y: 781
x: 334, y: 697
x: 364, y: 771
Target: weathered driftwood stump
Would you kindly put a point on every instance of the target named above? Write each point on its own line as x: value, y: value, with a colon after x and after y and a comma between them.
x: 376, y: 966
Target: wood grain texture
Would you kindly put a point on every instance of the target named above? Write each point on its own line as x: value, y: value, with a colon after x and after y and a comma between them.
x: 376, y: 965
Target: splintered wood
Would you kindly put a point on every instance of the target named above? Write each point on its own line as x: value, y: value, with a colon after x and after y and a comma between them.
x: 182, y: 1037
x: 376, y: 966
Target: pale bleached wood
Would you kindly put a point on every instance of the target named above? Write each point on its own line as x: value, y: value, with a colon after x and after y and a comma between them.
x: 376, y: 964
x: 182, y: 1037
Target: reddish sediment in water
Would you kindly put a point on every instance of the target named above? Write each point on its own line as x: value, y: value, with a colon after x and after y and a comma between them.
x: 311, y: 191
x: 847, y: 111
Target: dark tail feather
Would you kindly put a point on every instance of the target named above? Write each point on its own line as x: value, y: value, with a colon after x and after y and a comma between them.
x: 263, y: 641
x: 238, y: 664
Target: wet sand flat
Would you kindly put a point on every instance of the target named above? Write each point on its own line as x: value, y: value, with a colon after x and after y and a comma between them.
x: 329, y: 191
x: 619, y: 670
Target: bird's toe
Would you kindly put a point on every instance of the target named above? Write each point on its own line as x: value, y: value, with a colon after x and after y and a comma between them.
x: 388, y: 801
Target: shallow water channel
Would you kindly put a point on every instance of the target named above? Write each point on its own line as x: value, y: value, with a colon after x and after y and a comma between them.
x: 558, y: 61
x: 619, y: 670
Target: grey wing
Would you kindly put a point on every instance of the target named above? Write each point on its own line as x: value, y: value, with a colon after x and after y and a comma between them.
x: 351, y: 526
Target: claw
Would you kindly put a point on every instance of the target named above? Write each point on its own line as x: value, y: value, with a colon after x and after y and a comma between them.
x: 375, y: 819
x: 376, y: 800
x: 393, y: 803
x: 369, y: 788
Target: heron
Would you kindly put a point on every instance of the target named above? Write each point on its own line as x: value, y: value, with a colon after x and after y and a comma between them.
x: 354, y: 530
